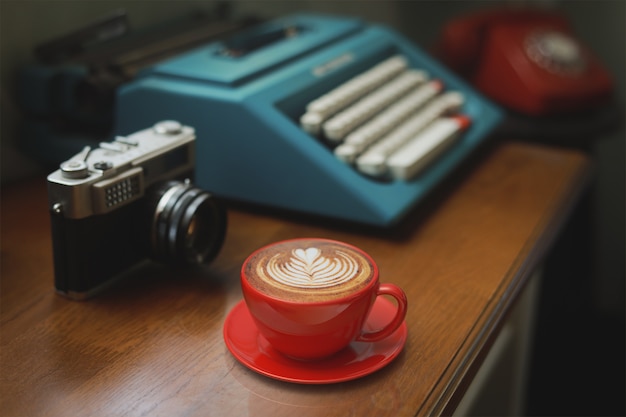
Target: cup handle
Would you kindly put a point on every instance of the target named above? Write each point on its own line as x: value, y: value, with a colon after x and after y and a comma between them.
x: 397, y: 293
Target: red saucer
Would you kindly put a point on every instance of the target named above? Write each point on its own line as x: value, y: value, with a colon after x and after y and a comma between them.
x: 358, y: 359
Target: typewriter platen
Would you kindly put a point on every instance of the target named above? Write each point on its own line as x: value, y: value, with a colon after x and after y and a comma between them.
x: 317, y: 114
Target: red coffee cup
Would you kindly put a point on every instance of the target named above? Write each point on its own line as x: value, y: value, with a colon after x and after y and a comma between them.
x: 310, y: 297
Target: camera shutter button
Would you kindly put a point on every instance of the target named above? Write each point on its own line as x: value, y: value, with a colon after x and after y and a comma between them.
x: 168, y: 127
x: 74, y: 169
x: 103, y: 165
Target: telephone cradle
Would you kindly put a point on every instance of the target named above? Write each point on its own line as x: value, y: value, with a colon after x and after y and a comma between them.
x: 247, y: 97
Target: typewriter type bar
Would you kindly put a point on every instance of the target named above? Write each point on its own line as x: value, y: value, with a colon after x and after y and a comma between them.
x: 376, y: 115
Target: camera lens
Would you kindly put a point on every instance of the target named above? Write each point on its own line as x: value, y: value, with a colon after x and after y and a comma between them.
x: 188, y: 225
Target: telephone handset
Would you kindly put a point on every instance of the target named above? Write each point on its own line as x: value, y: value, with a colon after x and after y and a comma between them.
x: 527, y: 60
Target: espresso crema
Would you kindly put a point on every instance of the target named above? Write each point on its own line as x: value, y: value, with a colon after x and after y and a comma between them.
x: 308, y: 270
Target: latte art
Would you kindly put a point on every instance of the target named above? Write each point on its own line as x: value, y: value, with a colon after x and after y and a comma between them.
x: 308, y: 268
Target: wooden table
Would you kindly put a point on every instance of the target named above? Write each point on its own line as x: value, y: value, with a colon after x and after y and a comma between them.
x: 153, y: 344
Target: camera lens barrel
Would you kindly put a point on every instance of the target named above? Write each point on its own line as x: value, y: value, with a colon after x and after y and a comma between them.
x: 188, y: 225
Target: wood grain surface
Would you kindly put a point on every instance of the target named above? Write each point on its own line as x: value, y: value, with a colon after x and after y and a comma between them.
x: 152, y: 344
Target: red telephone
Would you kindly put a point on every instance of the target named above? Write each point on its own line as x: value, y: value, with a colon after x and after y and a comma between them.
x: 526, y: 60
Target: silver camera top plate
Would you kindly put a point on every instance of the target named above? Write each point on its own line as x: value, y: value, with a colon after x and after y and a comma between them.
x: 96, y: 181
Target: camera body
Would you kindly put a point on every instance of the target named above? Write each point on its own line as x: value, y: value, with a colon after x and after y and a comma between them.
x: 127, y: 201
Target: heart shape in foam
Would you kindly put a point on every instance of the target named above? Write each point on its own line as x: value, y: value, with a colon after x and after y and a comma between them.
x: 308, y: 268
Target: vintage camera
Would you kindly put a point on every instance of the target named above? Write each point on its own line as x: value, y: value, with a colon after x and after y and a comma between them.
x: 127, y: 201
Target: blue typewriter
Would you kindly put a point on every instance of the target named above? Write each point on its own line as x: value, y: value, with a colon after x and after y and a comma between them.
x: 317, y: 114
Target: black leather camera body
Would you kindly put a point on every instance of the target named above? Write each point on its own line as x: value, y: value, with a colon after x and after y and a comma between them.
x: 127, y: 201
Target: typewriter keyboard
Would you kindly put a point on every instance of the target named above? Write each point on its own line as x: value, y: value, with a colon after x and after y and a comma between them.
x: 388, y: 122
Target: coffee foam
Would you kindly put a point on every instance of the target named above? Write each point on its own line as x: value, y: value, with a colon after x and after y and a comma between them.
x: 308, y: 270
